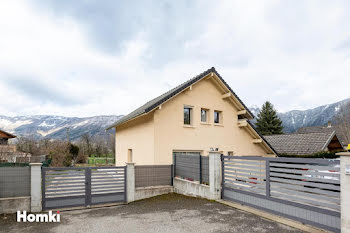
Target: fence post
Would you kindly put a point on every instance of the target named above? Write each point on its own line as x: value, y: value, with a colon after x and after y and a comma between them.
x: 200, y: 169
x: 215, y: 175
x: 87, y: 186
x: 267, y: 177
x: 222, y: 176
x: 174, y: 165
x: 344, y: 191
x: 35, y: 187
x: 130, y: 182
x: 172, y: 175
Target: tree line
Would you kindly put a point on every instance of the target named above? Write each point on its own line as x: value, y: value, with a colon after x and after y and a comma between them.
x: 65, y: 152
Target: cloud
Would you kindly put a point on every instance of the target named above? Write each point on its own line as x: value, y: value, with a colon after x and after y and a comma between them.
x: 42, y: 92
x: 82, y: 58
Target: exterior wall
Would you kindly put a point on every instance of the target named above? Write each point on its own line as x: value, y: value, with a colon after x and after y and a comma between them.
x: 155, y: 136
x: 152, y: 191
x: 171, y: 134
x: 13, y: 204
x: 137, y: 135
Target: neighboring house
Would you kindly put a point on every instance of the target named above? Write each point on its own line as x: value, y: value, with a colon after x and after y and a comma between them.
x: 328, y: 128
x: 198, y: 116
x: 306, y: 143
x: 8, y: 152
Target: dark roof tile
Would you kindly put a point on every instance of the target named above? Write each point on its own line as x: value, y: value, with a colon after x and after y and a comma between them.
x: 300, y: 144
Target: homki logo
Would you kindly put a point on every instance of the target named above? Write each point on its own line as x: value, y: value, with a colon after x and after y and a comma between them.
x: 50, y: 217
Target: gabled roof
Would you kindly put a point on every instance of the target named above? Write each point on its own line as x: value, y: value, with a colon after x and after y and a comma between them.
x: 317, y: 129
x: 150, y: 105
x: 301, y: 144
x: 7, y: 134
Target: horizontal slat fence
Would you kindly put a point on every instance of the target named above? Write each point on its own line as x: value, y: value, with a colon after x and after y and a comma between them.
x: 191, y: 166
x: 246, y: 175
x: 14, y: 182
x: 108, y: 184
x: 153, y: 175
x: 205, y: 169
x: 69, y: 187
x: 307, y: 190
x: 311, y: 183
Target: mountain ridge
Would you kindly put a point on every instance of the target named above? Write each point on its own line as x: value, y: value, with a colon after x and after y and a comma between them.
x: 55, y: 127
x: 295, y: 119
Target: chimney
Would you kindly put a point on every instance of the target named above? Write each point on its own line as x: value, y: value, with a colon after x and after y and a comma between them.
x: 329, y: 124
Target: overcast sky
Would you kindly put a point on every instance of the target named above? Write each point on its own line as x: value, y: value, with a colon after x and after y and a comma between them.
x: 94, y: 57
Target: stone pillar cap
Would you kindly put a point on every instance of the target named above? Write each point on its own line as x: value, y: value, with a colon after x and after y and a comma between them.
x: 35, y: 164
x: 343, y: 153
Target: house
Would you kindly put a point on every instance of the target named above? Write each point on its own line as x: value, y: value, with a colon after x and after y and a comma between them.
x: 8, y: 152
x: 198, y: 116
x: 327, y: 128
x: 306, y: 143
x: 4, y: 137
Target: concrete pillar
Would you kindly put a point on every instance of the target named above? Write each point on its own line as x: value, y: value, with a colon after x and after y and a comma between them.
x: 35, y: 187
x: 130, y: 182
x: 215, y: 175
x: 344, y: 192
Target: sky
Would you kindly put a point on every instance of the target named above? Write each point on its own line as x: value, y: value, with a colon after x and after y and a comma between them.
x: 106, y: 57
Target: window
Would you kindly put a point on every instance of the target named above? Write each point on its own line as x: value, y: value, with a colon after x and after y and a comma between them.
x: 217, y: 117
x: 230, y: 153
x: 129, y: 155
x: 204, y: 115
x: 187, y: 115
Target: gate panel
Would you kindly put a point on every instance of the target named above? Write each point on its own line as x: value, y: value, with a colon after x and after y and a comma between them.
x: 108, y: 185
x: 63, y: 187
x: 306, y: 190
x: 72, y: 187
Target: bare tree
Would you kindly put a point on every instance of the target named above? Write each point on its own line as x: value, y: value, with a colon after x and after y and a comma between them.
x: 87, y: 140
x: 342, y: 121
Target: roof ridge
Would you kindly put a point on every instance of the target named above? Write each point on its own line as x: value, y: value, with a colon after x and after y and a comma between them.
x: 287, y: 134
x: 150, y: 105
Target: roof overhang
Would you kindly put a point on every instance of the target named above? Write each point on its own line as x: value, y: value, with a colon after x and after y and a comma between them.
x: 257, y: 137
x: 8, y: 134
x: 209, y: 74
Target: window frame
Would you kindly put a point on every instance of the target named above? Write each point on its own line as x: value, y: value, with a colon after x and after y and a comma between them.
x: 190, y: 115
x: 130, y: 156
x: 219, y: 118
x: 206, y: 115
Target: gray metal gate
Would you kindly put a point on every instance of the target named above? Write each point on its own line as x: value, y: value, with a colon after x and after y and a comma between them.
x: 307, y: 190
x: 71, y: 187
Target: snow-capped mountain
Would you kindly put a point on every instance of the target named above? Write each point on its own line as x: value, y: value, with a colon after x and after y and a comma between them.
x: 296, y: 119
x: 55, y: 127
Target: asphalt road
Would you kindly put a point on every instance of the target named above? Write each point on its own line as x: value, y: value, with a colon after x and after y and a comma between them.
x: 167, y: 213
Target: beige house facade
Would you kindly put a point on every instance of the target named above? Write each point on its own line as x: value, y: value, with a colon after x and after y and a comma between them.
x: 199, y: 116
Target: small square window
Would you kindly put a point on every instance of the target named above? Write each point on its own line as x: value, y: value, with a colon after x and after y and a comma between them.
x: 187, y: 115
x: 204, y: 115
x: 217, y: 117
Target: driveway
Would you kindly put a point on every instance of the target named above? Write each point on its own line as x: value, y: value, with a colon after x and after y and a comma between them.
x: 167, y: 213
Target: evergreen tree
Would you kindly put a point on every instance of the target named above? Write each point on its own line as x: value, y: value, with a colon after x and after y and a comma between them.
x: 268, y: 121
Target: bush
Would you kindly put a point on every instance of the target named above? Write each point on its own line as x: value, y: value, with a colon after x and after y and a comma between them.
x: 67, y: 161
x: 320, y: 154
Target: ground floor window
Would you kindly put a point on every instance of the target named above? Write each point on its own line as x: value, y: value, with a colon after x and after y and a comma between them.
x: 130, y: 156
